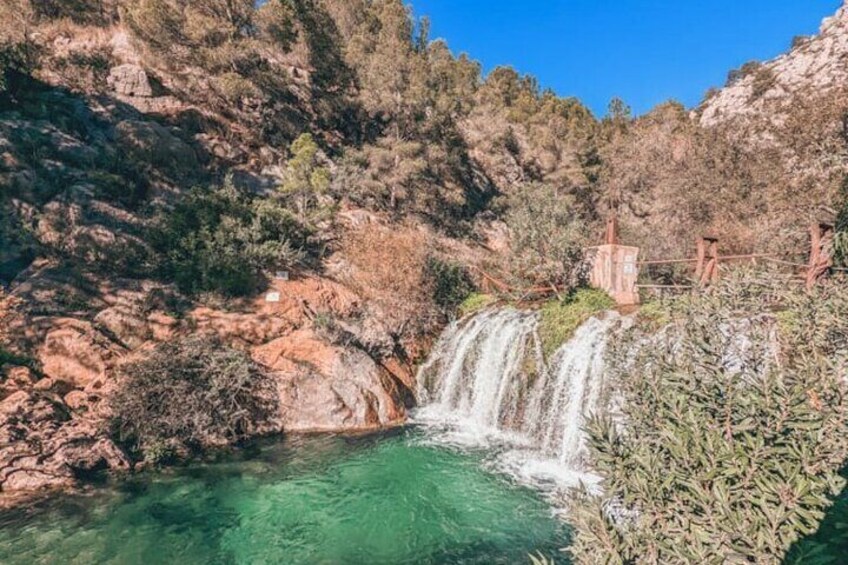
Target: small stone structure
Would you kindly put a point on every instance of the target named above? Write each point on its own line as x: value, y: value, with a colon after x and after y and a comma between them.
x: 129, y: 80
x: 615, y: 269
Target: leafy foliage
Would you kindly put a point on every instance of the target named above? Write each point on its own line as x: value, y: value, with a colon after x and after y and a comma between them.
x: 841, y: 228
x: 547, y: 236
x: 305, y: 180
x: 224, y: 239
x: 192, y: 393
x: 9, y: 358
x: 475, y: 302
x: 451, y: 283
x: 18, y: 51
x: 734, y: 429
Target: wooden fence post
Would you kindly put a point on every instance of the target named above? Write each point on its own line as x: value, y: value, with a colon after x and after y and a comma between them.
x: 611, y: 237
x: 821, y: 253
x: 706, y: 271
x: 701, y: 256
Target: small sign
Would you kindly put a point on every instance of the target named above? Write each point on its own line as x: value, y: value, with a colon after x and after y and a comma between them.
x: 272, y: 297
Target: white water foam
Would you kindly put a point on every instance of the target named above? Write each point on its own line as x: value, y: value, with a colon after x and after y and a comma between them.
x: 487, y: 385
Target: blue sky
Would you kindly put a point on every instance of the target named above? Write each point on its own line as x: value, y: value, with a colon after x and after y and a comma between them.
x: 645, y: 51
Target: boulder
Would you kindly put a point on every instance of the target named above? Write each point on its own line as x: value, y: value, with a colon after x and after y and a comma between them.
x: 16, y: 379
x: 153, y: 143
x: 34, y: 479
x: 78, y: 400
x: 127, y: 324
x: 325, y: 387
x: 161, y: 326
x: 42, y: 446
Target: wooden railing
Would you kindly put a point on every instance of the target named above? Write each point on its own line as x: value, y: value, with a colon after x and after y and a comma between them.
x: 707, y: 261
x: 706, y: 267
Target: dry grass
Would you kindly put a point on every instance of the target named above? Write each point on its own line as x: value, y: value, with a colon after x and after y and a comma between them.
x: 388, y: 271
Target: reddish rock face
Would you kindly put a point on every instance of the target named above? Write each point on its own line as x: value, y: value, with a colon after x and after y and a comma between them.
x: 75, y: 353
x: 42, y: 447
x: 332, y: 361
x: 330, y: 388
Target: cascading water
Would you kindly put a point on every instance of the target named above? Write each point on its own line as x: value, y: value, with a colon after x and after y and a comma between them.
x: 487, y: 381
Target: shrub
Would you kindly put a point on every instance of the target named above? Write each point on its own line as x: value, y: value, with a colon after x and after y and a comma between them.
x: 450, y: 282
x: 189, y: 394
x: 840, y: 244
x: 305, y: 179
x: 733, y: 431
x: 653, y: 315
x: 561, y: 318
x: 746, y: 70
x: 79, y: 11
x: 224, y: 239
x: 799, y: 41
x: 764, y: 80
x: 9, y: 358
x: 547, y: 236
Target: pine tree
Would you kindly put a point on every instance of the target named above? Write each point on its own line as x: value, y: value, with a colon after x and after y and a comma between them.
x: 305, y: 179
x: 394, y: 81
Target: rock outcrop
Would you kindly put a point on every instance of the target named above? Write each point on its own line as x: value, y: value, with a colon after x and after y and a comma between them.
x: 54, y: 422
x: 815, y: 65
x: 326, y: 387
x: 43, y: 446
x: 75, y: 353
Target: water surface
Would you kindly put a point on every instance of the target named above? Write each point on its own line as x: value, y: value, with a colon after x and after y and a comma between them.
x: 392, y: 498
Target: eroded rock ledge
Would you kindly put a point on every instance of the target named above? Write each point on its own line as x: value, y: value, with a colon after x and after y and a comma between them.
x: 335, y: 366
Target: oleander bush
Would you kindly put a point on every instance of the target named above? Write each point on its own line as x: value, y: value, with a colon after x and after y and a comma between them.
x: 733, y: 434
x: 548, y: 236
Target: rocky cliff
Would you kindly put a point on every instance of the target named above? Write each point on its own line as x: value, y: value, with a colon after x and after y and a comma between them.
x: 815, y: 66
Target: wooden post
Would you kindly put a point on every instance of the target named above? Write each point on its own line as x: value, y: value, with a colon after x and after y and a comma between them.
x: 611, y: 237
x: 821, y: 253
x: 706, y: 271
x: 701, y: 256
x: 714, y: 253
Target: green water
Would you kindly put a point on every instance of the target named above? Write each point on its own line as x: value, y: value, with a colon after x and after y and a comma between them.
x: 392, y: 498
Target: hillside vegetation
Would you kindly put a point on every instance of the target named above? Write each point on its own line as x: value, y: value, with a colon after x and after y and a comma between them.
x: 402, y: 125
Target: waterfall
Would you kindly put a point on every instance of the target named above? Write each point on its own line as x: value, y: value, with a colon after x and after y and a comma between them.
x: 487, y: 380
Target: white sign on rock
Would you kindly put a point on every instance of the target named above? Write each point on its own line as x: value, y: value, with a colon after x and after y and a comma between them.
x: 272, y: 297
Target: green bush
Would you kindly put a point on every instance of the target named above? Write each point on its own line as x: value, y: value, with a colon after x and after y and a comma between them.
x: 733, y: 433
x: 15, y: 58
x: 224, y: 239
x: 9, y: 358
x: 841, y: 239
x: 653, y: 315
x: 190, y: 394
x: 561, y: 318
x: 451, y: 283
x: 547, y: 236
